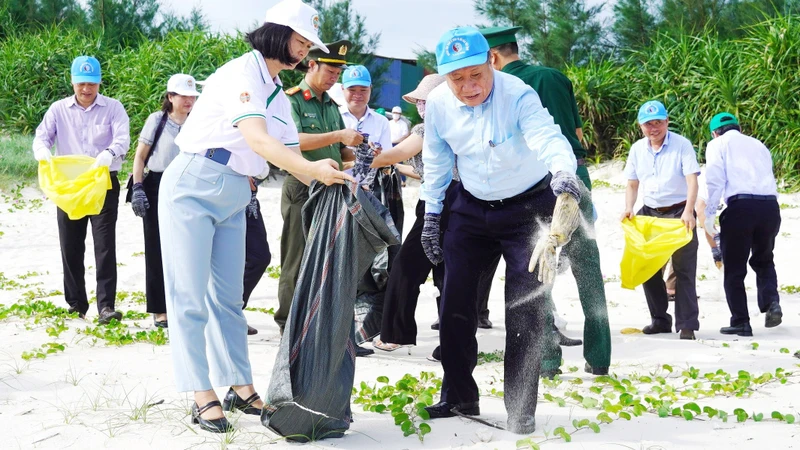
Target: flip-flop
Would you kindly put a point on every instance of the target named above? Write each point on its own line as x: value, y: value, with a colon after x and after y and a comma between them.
x: 386, y: 346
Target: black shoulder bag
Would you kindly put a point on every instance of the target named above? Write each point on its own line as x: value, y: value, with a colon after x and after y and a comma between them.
x: 159, y: 129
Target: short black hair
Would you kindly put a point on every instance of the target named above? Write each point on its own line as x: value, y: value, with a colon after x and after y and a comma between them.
x: 272, y: 41
x: 725, y: 128
x: 508, y: 49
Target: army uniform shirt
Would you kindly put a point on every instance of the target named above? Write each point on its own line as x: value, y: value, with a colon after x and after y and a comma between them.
x: 314, y: 117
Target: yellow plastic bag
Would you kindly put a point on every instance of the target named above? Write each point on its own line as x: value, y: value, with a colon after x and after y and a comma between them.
x: 73, y: 185
x: 649, y: 243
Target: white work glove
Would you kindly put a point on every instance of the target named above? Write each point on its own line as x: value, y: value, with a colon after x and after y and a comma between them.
x: 42, y: 154
x: 710, y: 225
x: 566, y: 218
x: 105, y: 158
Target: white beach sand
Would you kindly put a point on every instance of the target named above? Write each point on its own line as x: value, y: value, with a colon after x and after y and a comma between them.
x: 92, y: 395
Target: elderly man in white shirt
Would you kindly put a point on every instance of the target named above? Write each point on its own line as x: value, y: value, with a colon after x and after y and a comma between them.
x: 739, y: 167
x: 665, y: 165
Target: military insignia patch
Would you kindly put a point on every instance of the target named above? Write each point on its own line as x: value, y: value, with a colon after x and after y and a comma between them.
x: 307, y: 94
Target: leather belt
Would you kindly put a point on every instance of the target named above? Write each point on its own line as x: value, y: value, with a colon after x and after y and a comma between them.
x: 669, y: 208
x: 543, y: 184
x: 750, y: 197
x: 219, y: 155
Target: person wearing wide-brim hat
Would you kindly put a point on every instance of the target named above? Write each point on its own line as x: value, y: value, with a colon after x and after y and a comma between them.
x: 241, y: 121
x: 155, y: 152
x: 556, y: 94
x: 739, y: 168
x: 517, y: 170
x: 322, y: 134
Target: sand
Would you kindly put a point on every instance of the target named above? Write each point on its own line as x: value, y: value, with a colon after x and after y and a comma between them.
x: 93, y: 395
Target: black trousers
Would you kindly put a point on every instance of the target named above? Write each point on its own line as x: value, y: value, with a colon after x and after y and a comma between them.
x: 684, y: 264
x: 153, y: 267
x: 257, y: 255
x: 72, y: 237
x: 747, y: 230
x: 476, y: 235
x: 410, y: 269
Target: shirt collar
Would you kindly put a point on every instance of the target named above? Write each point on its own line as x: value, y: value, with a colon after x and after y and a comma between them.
x: 664, y: 145
x: 99, y: 101
x: 513, y: 65
x: 264, y: 71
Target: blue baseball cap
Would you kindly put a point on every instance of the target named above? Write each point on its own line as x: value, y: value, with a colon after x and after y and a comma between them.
x: 356, y: 76
x: 652, y: 110
x: 85, y: 69
x: 461, y: 47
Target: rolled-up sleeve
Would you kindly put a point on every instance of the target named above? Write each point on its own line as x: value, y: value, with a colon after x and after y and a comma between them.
x: 438, y: 159
x: 46, y: 131
x: 542, y: 134
x: 121, y: 130
x: 630, y: 164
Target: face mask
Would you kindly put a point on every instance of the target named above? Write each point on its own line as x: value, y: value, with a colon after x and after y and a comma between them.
x: 396, y: 116
x: 421, y: 108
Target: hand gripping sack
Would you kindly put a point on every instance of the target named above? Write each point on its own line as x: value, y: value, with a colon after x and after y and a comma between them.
x: 74, y: 185
x: 649, y: 243
x: 312, y: 379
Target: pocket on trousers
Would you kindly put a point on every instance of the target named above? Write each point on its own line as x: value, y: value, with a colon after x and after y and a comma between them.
x: 203, y: 174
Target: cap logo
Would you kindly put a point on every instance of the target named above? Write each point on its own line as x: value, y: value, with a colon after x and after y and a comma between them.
x: 315, y: 22
x: 457, y: 47
x: 355, y: 73
x: 244, y: 97
x: 86, y: 68
x: 342, y: 50
x: 652, y: 109
x: 190, y: 83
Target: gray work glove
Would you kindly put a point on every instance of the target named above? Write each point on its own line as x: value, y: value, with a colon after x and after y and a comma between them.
x: 139, y: 201
x: 431, y: 239
x: 566, y: 182
x: 716, y: 252
x: 252, y: 208
x: 566, y: 218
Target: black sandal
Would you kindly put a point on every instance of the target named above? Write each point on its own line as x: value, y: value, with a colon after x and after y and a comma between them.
x: 220, y: 425
x: 233, y: 401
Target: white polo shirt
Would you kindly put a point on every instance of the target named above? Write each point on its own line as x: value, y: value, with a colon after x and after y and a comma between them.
x: 239, y: 90
x: 374, y: 124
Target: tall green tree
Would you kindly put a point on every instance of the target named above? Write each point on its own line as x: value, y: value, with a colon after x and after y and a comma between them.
x: 634, y: 25
x: 30, y: 15
x: 692, y: 17
x: 555, y: 32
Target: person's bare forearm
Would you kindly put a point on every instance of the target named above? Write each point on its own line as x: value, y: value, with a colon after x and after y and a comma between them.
x: 631, y: 192
x: 310, y: 142
x: 402, y: 152
x: 142, y: 150
x: 691, y: 196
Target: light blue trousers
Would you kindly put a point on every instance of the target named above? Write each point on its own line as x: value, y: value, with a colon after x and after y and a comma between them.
x: 202, y: 224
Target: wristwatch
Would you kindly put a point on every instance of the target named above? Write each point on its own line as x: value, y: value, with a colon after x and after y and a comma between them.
x: 112, y: 152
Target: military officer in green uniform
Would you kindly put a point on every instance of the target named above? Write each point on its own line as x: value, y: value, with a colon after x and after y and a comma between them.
x: 555, y: 92
x: 322, y: 135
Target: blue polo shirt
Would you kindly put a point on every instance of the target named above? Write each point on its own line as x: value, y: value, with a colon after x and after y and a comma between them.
x: 662, y: 172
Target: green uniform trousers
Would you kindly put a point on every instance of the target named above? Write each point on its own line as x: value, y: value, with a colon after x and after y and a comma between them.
x: 584, y: 258
x: 293, y: 243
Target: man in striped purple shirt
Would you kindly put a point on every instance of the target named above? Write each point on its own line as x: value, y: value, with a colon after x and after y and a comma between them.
x: 91, y: 124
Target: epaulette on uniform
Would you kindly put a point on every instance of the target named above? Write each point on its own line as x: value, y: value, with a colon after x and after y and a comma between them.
x: 293, y: 90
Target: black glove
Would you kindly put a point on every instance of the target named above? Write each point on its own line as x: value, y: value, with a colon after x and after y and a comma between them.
x: 566, y: 182
x: 139, y: 201
x: 431, y: 238
x: 252, y: 208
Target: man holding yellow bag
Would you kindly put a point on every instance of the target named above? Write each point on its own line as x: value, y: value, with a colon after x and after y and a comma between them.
x: 665, y: 164
x: 88, y: 123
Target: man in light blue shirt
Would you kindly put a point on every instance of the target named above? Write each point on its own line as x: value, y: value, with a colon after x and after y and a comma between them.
x: 513, y: 161
x: 665, y: 165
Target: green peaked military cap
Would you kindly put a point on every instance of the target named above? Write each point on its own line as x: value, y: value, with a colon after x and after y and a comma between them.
x: 500, y: 35
x: 336, y: 56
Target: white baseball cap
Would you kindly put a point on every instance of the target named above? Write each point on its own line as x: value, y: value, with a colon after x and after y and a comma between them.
x: 182, y: 84
x: 298, y: 16
x: 397, y: 110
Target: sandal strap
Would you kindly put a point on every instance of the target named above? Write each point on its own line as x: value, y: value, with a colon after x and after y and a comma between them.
x: 208, y: 406
x: 252, y: 399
